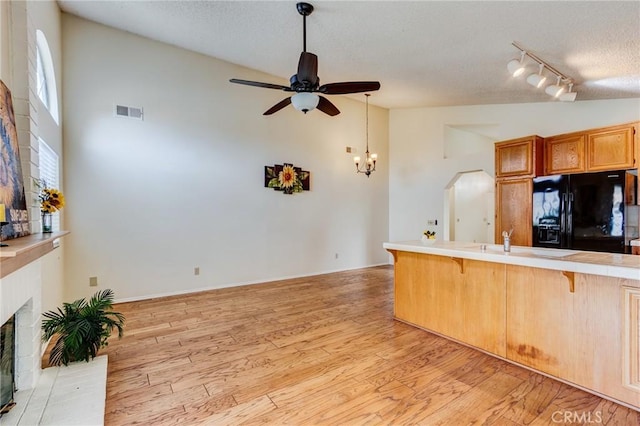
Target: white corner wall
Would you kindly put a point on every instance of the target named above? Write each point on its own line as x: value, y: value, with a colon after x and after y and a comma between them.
x: 148, y: 201
x: 419, y: 174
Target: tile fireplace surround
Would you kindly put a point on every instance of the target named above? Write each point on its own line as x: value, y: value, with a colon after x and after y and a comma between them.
x: 21, y: 294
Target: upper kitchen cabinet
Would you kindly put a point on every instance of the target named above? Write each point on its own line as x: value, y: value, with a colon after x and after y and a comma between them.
x: 519, y: 157
x: 565, y: 154
x: 609, y: 148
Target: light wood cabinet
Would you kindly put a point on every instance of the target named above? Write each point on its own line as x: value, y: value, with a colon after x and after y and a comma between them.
x: 581, y: 328
x: 540, y: 297
x: 608, y: 148
x: 579, y: 336
x: 519, y: 157
x: 460, y: 298
x: 565, y: 154
x: 514, y: 210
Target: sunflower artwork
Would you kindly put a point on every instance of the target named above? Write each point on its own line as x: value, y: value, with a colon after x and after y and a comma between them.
x: 286, y: 178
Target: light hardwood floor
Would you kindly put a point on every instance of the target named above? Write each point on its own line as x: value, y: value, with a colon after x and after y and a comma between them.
x: 319, y: 350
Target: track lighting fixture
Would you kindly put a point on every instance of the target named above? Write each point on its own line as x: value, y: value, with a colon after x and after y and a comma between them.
x: 538, y: 79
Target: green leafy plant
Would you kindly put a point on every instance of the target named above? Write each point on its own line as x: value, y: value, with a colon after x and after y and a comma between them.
x: 82, y: 328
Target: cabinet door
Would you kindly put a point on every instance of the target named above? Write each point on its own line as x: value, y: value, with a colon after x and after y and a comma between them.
x: 610, y: 149
x: 540, y: 328
x: 513, y: 210
x: 588, y: 337
x: 518, y: 157
x: 565, y: 154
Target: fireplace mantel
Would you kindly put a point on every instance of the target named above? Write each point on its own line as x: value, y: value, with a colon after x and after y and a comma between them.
x: 24, y: 250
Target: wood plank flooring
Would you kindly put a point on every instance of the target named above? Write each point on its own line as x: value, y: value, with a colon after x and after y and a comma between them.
x: 323, y: 350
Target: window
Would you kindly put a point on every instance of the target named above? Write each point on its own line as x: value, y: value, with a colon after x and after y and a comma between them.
x: 42, y: 89
x: 50, y: 174
x: 45, y: 76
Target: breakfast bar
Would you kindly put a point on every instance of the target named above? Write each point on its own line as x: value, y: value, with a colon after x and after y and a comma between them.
x: 571, y: 315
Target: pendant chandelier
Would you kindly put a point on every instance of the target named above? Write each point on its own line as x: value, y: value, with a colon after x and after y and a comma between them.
x: 369, y: 165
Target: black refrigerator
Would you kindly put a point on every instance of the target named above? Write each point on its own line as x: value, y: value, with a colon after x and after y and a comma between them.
x: 583, y: 211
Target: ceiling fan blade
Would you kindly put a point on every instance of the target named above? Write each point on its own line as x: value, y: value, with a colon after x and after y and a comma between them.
x: 259, y: 84
x: 327, y: 107
x: 349, y: 87
x: 277, y: 107
x: 308, y: 68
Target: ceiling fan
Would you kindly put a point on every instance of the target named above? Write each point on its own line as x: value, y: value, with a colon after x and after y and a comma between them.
x: 305, y: 83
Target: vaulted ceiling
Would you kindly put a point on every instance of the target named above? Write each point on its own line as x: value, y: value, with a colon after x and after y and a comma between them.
x: 424, y: 53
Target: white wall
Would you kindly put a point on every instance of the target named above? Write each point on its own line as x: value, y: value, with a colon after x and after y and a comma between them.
x: 418, y: 173
x: 147, y: 201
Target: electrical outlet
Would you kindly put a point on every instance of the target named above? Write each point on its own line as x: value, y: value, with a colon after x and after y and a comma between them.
x: 432, y: 222
x: 196, y: 270
x: 93, y: 281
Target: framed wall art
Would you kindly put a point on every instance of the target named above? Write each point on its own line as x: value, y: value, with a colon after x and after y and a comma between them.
x: 286, y: 178
x: 12, y: 199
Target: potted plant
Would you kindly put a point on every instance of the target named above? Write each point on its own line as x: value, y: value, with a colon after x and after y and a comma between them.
x: 82, y: 328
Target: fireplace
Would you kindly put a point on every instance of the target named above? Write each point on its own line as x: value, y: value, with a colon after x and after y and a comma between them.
x: 7, y: 364
x: 20, y: 306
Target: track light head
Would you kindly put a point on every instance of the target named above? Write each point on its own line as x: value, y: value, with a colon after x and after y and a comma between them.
x: 537, y: 80
x: 555, y: 90
x: 568, y: 96
x: 515, y: 66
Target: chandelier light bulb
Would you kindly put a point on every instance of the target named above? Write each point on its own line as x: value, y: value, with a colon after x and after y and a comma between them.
x: 369, y: 165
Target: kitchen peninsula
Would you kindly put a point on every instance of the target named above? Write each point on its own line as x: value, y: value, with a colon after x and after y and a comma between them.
x: 572, y: 315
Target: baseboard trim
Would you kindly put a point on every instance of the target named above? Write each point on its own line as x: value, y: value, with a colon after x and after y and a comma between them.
x: 242, y: 283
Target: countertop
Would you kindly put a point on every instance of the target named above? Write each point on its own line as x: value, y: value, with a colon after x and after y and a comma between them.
x: 586, y: 262
x: 634, y: 243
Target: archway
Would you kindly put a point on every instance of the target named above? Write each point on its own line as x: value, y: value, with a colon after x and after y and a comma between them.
x: 470, y: 207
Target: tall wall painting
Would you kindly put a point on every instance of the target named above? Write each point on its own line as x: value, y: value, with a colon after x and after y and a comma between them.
x: 12, y: 197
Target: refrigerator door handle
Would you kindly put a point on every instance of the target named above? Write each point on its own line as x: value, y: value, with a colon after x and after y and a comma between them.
x: 568, y: 214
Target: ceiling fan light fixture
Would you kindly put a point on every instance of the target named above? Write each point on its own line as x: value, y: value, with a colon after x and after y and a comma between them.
x: 537, y: 80
x: 305, y: 101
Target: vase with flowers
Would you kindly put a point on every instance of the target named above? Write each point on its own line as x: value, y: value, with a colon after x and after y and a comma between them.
x: 51, y: 201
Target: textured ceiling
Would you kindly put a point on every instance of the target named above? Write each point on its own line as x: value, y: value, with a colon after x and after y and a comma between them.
x: 424, y: 53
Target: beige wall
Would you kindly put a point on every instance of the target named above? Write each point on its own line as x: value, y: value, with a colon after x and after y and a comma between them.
x: 151, y: 200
